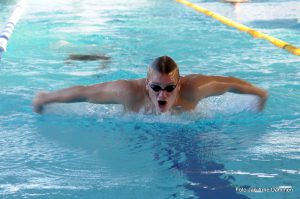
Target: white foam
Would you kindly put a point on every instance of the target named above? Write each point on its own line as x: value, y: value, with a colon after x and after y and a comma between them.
x: 228, y: 103
x: 83, y: 109
x: 289, y: 171
x: 231, y: 172
x: 207, y: 108
x: 61, y: 43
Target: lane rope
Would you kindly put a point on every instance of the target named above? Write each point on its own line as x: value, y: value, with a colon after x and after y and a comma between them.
x: 254, y: 33
x: 10, y: 26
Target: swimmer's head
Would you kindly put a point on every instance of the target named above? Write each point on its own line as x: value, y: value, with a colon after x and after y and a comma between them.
x: 164, y: 64
x: 163, y: 83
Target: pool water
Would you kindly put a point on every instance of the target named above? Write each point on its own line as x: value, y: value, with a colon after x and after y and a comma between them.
x: 84, y: 150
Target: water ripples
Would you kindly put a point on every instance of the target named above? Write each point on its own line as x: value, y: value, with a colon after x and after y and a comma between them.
x: 90, y: 150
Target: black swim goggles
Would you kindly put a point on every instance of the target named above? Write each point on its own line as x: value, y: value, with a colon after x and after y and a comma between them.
x: 157, y: 88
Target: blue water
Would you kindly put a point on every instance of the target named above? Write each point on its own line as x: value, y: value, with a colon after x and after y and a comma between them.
x: 83, y: 150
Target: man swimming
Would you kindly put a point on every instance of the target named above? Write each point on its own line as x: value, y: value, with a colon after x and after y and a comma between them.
x: 163, y: 90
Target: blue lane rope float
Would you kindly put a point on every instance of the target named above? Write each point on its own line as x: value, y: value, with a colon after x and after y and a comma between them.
x: 254, y: 33
x: 10, y: 26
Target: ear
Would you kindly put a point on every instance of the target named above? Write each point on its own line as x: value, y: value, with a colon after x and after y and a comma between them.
x: 147, y: 85
x: 179, y: 83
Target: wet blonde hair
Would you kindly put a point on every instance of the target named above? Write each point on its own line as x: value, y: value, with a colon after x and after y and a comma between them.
x: 164, y: 64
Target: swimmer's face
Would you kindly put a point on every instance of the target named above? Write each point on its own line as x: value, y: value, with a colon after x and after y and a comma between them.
x: 163, y: 89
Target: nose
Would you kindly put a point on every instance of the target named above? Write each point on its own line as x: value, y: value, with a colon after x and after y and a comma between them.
x: 162, y: 94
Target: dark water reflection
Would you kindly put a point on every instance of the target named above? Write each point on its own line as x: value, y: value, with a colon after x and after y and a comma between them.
x: 192, y: 155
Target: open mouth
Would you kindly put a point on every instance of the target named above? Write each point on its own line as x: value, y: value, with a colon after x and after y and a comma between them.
x: 162, y: 102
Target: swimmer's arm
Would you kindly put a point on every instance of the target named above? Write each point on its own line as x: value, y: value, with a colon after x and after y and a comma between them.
x: 117, y: 92
x: 220, y: 85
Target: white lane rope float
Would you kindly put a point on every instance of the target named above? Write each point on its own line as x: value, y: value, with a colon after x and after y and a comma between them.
x: 10, y: 26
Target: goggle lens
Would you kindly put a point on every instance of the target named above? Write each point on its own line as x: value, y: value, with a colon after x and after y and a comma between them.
x: 157, y: 88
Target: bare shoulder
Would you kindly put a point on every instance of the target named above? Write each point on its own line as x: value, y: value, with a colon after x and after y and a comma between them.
x: 196, y: 80
x: 189, y: 85
x: 119, y: 85
x: 120, y: 91
x: 196, y: 86
x: 134, y: 90
x: 134, y: 93
x: 134, y: 87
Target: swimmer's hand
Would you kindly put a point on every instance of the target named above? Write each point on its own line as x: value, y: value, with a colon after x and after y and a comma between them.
x: 263, y: 99
x: 39, y: 102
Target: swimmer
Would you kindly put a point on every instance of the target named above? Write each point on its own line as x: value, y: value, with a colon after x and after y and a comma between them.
x: 163, y: 90
x: 80, y: 57
x: 236, y: 4
x: 105, y: 60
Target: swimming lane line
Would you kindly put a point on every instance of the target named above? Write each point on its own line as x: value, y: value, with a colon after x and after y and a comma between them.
x: 254, y: 33
x: 10, y: 25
